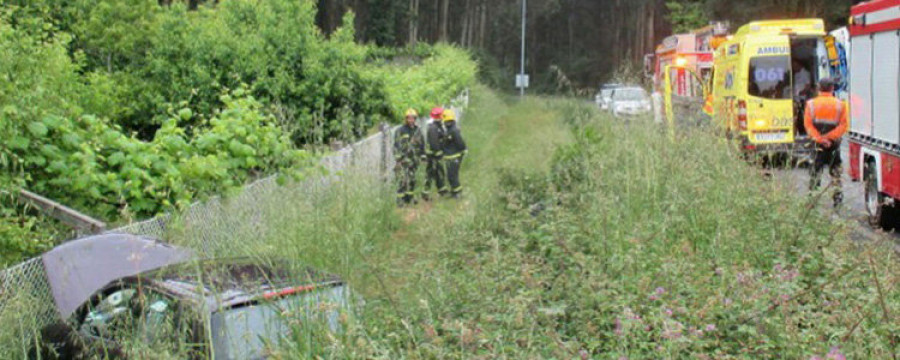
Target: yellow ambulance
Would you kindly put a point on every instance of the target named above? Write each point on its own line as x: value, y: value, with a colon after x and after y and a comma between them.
x: 763, y: 76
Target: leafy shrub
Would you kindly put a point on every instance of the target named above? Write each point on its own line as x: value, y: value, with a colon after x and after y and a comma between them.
x: 436, y: 80
x: 124, y: 108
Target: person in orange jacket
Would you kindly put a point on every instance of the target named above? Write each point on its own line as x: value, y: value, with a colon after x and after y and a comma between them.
x: 826, y: 122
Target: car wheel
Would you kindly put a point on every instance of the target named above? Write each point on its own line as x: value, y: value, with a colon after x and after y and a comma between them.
x: 880, y: 214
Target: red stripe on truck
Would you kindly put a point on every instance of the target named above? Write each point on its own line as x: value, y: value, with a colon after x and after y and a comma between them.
x: 857, y: 30
x: 873, y: 6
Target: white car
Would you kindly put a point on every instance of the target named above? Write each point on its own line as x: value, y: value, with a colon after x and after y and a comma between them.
x: 604, y: 97
x: 630, y: 101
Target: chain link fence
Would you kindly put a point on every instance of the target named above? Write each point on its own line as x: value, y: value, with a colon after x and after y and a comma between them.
x: 210, y: 221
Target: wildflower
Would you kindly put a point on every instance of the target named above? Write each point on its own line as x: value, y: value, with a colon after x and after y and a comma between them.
x: 835, y: 354
x: 727, y: 301
x: 618, y: 327
x: 654, y: 297
x: 660, y: 290
x: 790, y: 275
x: 710, y: 327
x: 584, y: 354
x: 669, y: 312
x: 814, y: 357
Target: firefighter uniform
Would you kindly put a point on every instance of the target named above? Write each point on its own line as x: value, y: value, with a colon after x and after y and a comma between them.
x: 435, y: 173
x: 826, y: 121
x: 454, y: 151
x: 409, y: 145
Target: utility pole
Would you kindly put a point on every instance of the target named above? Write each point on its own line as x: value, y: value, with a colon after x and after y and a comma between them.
x: 522, y: 81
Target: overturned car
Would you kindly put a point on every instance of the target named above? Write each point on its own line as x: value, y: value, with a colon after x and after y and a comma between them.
x: 122, y: 296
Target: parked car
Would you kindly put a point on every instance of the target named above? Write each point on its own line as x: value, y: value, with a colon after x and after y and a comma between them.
x: 630, y: 101
x: 604, y: 96
x: 200, y: 309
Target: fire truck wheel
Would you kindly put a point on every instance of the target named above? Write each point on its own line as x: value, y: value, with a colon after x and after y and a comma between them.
x: 880, y: 214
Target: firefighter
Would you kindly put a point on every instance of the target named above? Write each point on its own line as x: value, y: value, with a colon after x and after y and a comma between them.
x: 826, y: 121
x: 454, y: 151
x: 409, y: 145
x: 435, y: 173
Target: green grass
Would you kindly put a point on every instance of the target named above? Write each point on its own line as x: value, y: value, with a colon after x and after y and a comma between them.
x: 581, y: 236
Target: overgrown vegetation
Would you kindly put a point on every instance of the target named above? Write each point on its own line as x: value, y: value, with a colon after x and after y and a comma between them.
x: 635, y: 246
x: 126, y: 109
x: 621, y: 243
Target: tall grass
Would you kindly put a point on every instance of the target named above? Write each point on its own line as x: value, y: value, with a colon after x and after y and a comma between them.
x: 580, y: 236
x: 636, y: 245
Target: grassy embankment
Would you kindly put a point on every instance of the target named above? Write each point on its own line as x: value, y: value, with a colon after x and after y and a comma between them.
x: 583, y: 237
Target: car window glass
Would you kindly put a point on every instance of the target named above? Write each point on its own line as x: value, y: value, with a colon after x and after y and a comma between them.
x: 112, y: 314
x: 630, y: 95
x: 158, y: 319
x: 770, y: 77
x: 128, y: 313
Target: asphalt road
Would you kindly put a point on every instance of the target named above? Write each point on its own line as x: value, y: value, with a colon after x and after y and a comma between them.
x: 853, y: 208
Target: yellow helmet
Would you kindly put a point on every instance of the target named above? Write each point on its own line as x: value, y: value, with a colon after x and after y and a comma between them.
x: 449, y: 115
x: 412, y: 112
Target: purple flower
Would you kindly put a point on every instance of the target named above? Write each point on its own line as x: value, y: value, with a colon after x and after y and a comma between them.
x: 669, y: 312
x: 778, y: 268
x: 710, y: 327
x: 835, y: 354
x: 618, y: 327
x: 660, y: 290
x: 727, y: 301
x: 815, y: 357
x: 654, y: 297
x: 584, y: 354
x: 623, y: 358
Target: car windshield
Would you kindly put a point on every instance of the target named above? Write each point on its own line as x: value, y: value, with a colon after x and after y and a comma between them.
x: 770, y: 77
x: 260, y: 330
x: 629, y: 95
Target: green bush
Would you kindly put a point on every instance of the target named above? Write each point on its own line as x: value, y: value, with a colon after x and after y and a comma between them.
x: 124, y: 109
x: 435, y: 81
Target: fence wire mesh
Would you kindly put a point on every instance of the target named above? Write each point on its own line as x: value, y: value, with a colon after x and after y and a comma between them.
x: 212, y: 223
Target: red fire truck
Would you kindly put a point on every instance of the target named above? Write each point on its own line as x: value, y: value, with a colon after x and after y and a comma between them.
x: 690, y: 52
x: 875, y: 106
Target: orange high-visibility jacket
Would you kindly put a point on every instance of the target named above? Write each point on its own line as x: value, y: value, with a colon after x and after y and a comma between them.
x: 826, y: 118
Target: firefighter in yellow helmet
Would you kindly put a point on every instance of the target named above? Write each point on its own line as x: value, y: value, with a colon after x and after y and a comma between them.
x: 409, y: 146
x: 455, y: 151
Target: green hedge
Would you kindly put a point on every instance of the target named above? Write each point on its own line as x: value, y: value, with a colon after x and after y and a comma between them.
x: 124, y: 109
x: 434, y: 81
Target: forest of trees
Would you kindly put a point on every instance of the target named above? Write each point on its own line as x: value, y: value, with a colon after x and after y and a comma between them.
x: 586, y: 40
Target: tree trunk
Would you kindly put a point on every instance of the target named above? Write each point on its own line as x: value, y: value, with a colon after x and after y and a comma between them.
x: 445, y: 21
x: 464, y: 36
x: 413, y: 22
x: 481, y: 24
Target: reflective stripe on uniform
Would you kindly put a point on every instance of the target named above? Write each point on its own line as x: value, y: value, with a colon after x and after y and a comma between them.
x: 458, y: 189
x: 452, y: 157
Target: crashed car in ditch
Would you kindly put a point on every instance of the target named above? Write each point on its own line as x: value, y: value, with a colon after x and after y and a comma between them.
x: 114, y: 292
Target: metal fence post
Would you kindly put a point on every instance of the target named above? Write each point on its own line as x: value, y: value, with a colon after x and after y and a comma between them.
x: 385, y: 147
